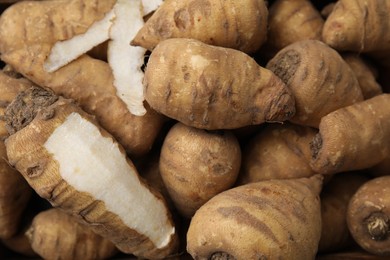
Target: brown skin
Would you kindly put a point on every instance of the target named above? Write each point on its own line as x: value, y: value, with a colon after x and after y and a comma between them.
x: 14, y: 190
x: 364, y: 74
x: 203, y: 86
x: 327, y: 10
x: 368, y: 216
x: 86, y: 80
x: 90, y: 82
x: 56, y: 235
x: 312, y: 69
x: 352, y: 254
x: 240, y: 25
x: 291, y: 21
x: 275, y: 219
x: 31, y: 119
x: 358, y: 25
x: 35, y: 22
x: 335, y: 197
x: 353, y: 138
x: 278, y: 152
x: 196, y: 165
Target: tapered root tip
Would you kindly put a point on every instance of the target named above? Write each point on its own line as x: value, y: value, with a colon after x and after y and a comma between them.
x: 26, y: 106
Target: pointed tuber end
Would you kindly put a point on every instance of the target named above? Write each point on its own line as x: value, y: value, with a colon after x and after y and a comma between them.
x: 26, y: 106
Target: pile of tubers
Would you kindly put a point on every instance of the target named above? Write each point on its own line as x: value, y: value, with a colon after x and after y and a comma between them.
x: 265, y: 132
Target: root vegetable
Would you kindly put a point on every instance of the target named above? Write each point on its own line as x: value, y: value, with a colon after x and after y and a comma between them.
x: 48, y: 21
x: 275, y: 219
x: 77, y: 166
x: 56, y: 235
x: 203, y: 86
x: 368, y: 216
x: 358, y: 25
x: 382, y: 168
x: 364, y: 74
x: 291, y: 21
x: 312, y: 69
x: 278, y: 152
x: 196, y: 165
x: 335, y: 197
x: 233, y: 24
x: 90, y: 83
x: 14, y: 190
x: 338, y: 148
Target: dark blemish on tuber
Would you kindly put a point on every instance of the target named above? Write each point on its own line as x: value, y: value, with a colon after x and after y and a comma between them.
x: 25, y: 107
x: 378, y: 226
x: 285, y: 65
x: 221, y: 256
x: 182, y: 19
x: 316, y: 145
x: 280, y: 109
x: 34, y: 171
x: 241, y: 216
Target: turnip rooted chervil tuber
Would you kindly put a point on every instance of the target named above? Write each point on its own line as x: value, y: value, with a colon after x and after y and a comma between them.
x: 212, y: 87
x: 77, y: 166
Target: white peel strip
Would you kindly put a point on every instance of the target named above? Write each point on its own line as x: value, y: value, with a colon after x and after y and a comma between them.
x: 94, y: 164
x: 150, y: 5
x: 66, y: 51
x: 126, y: 60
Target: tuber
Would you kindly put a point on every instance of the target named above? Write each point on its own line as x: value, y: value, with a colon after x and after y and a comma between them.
x: 201, y: 86
x: 196, y: 165
x: 274, y: 219
x: 54, y: 234
x: 358, y: 25
x: 278, y: 152
x: 233, y: 24
x: 353, y: 138
x: 320, y: 80
x: 77, y: 166
x: 368, y: 216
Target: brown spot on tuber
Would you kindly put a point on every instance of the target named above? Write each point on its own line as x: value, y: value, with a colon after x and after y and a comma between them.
x: 285, y: 65
x: 34, y: 171
x: 221, y: 256
x: 316, y: 145
x: 25, y: 107
x: 378, y: 226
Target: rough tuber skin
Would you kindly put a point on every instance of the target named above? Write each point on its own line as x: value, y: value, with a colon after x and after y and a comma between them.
x: 196, y: 165
x: 289, y: 22
x: 368, y: 216
x: 274, y: 219
x: 279, y: 151
x: 337, y: 148
x: 358, y: 25
x: 240, y: 25
x: 201, y: 86
x: 320, y: 80
x: 77, y: 166
x: 55, y: 234
x: 14, y: 190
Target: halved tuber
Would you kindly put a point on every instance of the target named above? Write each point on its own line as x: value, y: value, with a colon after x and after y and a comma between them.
x: 77, y: 166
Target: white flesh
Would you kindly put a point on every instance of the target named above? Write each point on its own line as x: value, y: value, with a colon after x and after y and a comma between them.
x: 150, y: 5
x: 66, y: 51
x: 94, y: 164
x: 126, y: 60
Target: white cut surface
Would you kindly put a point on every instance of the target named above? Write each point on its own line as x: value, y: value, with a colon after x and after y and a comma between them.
x: 63, y: 52
x: 126, y: 60
x: 94, y: 164
x: 150, y: 5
